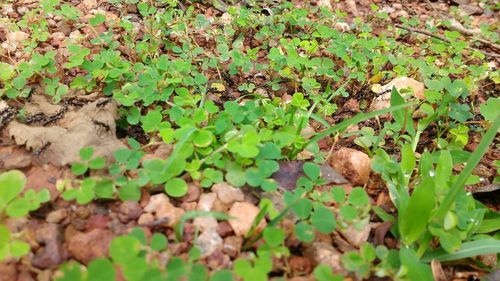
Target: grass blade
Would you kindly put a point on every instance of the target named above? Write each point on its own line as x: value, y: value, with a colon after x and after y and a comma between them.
x: 468, y: 249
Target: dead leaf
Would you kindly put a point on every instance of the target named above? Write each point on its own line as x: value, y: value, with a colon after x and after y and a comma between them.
x: 291, y: 171
x: 60, y: 144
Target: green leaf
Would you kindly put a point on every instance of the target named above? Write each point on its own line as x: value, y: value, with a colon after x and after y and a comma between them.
x: 176, y: 187
x: 18, y: 208
x: 489, y: 110
x: 158, y: 242
x: 124, y: 248
x: 19, y: 248
x: 407, y: 161
x: 358, y: 197
x: 79, y: 169
x: 413, y: 219
x: 397, y: 99
x: 323, y: 219
x: 86, y: 153
x: 303, y: 208
x: 468, y: 249
x: 7, y: 71
x: 274, y: 236
x: 323, y: 272
x: 101, y: 269
x: 304, y: 232
x: 97, y: 163
x: 312, y: 170
x: 338, y: 194
x: 416, y: 270
x: 11, y: 185
x: 222, y: 275
x: 4, y: 235
x: 202, y: 138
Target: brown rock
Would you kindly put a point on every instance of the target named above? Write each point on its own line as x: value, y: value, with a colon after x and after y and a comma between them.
x: 300, y: 265
x: 193, y: 193
x: 356, y: 236
x: 208, y: 242
x: 244, y: 214
x: 224, y: 229
x: 322, y: 253
x: 232, y: 246
x: 129, y: 210
x: 156, y: 201
x: 8, y: 271
x: 227, y: 193
x: 40, y: 177
x: 207, y: 201
x: 57, y: 216
x: 85, y: 247
x: 354, y: 165
x: 146, y: 219
x: 97, y: 221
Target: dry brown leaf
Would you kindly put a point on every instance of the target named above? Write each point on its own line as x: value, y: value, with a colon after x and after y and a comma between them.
x: 92, y: 125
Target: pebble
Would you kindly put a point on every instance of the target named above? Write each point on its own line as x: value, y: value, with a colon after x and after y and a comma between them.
x: 205, y: 223
x: 207, y: 201
x: 355, y: 236
x: 232, y: 246
x: 227, y: 193
x: 129, y: 210
x: 156, y: 201
x: 208, y: 242
x: 354, y: 165
x: 57, y: 216
x: 323, y: 253
x: 244, y: 214
x: 146, y: 219
x: 85, y: 247
x: 193, y: 193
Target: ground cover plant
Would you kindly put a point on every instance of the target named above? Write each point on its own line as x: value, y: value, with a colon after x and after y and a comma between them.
x: 249, y: 140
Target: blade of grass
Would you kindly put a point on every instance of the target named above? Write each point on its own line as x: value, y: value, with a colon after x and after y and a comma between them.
x: 468, y: 249
x: 355, y: 120
x: 471, y: 164
x: 179, y: 228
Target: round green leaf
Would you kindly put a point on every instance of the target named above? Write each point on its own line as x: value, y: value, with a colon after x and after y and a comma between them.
x: 18, y: 208
x: 19, y: 248
x: 158, y: 242
x: 124, y: 248
x: 323, y: 220
x: 202, y: 138
x: 304, y: 232
x: 176, y: 187
x: 101, y: 270
x: 274, y: 236
x: 358, y: 197
x: 11, y: 184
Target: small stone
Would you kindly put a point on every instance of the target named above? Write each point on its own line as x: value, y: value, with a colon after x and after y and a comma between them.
x: 323, y: 253
x: 89, y: 4
x: 193, y: 193
x: 356, y: 237
x: 146, y: 219
x: 227, y: 193
x: 226, y: 18
x: 207, y: 201
x: 325, y: 4
x: 156, y: 201
x: 129, y: 210
x: 8, y: 271
x: 14, y: 40
x: 300, y: 265
x: 58, y: 36
x: 208, y: 242
x: 205, y: 223
x: 57, y: 216
x: 244, y: 214
x: 224, y: 229
x: 232, y: 246
x: 404, y: 82
x: 170, y: 212
x: 85, y: 247
x: 354, y: 165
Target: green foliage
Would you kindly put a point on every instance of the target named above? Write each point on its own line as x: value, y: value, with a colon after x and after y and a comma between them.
x: 13, y: 205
